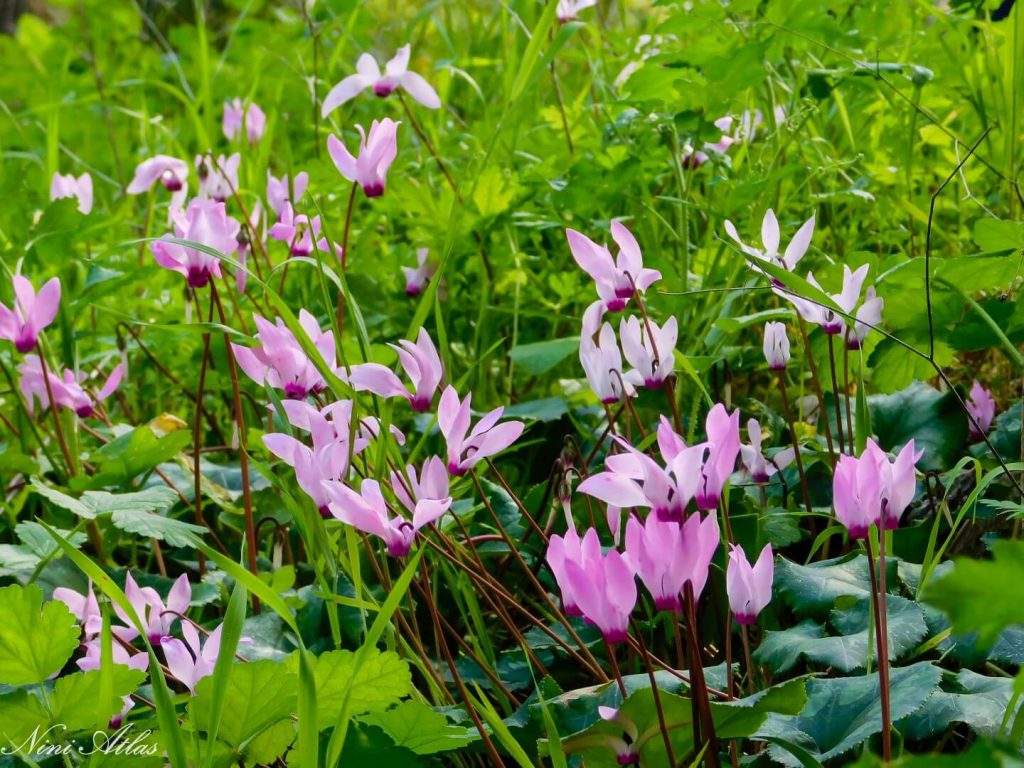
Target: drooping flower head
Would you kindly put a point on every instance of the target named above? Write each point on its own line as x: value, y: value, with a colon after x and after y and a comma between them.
x: 720, y: 452
x: 568, y: 10
x: 756, y: 464
x: 190, y: 663
x: 280, y: 360
x: 422, y: 365
x: 416, y: 278
x: 650, y: 349
x: 604, y: 590
x: 68, y: 391
x: 466, y: 447
x: 749, y: 587
x: 171, y: 172
x: 700, y: 540
x: 872, y: 489
x: 368, y: 512
x: 280, y: 192
x: 776, y: 346
x: 982, y: 408
x: 29, y: 313
x: 69, y: 186
x: 205, y: 222
x: 602, y: 364
x: 218, y: 177
x: 377, y: 150
x: 868, y: 314
x: 425, y: 495
x: 238, y: 114
x: 156, y: 616
x: 299, y: 231
x: 771, y: 240
x: 619, y: 279
x: 653, y: 549
x: 396, y: 74
x: 832, y: 322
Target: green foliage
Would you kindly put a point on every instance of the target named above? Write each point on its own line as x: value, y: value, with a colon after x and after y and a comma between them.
x: 36, y: 639
x: 977, y: 595
x: 841, y: 713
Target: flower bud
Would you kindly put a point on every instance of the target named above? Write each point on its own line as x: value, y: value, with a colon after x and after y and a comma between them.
x: 776, y: 346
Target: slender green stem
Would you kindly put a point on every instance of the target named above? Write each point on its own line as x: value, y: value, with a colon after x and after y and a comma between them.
x: 835, y: 392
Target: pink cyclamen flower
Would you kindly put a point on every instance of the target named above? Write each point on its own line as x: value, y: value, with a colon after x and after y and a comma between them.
x: 604, y: 589
x: 298, y: 231
x: 653, y: 360
x: 570, y: 547
x: 568, y: 10
x: 280, y: 360
x: 238, y: 113
x: 84, y: 607
x: 367, y: 511
x: 897, y: 480
x: 868, y: 314
x: 855, y: 495
x: 701, y: 537
x: 770, y: 241
x: 280, y: 192
x: 93, y: 659
x: 313, y: 466
x: 422, y: 366
x: 653, y: 551
x: 205, y: 222
x: 619, y: 279
x: 602, y: 364
x: 720, y: 452
x: 396, y: 74
x: 776, y: 346
x: 333, y: 422
x: 29, y: 313
x: 749, y: 588
x: 171, y: 172
x: 189, y: 664
x: 218, y: 177
x: 872, y: 489
x: 416, y: 278
x: 466, y: 447
x: 756, y: 464
x: 155, y: 616
x: 67, y: 389
x: 425, y: 495
x: 69, y: 186
x: 377, y: 150
x: 830, y: 321
x: 982, y: 408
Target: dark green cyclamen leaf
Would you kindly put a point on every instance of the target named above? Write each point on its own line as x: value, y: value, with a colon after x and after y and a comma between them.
x: 982, y: 596
x: 36, y: 640
x: 976, y: 700
x: 841, y: 713
x: 419, y: 728
x: 934, y: 420
x: 733, y: 720
x: 1005, y: 435
x: 540, y: 357
x: 813, y: 589
x: 848, y: 649
x: 41, y: 543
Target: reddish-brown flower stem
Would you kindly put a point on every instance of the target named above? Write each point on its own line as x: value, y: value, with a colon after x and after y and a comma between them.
x: 788, y: 413
x: 243, y: 450
x: 823, y: 416
x: 428, y: 594
x: 654, y: 692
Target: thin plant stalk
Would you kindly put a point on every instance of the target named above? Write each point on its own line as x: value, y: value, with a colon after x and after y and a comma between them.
x: 804, y: 488
x: 654, y: 692
x: 197, y: 438
x: 835, y: 392
x: 748, y: 659
x: 243, y: 450
x: 616, y: 672
x: 851, y: 441
x: 817, y: 386
x: 883, y: 661
x: 698, y: 685
x: 456, y: 677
